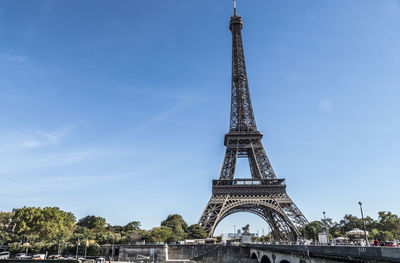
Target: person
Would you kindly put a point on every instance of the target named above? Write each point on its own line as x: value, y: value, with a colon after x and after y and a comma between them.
x: 382, y: 244
x: 376, y: 243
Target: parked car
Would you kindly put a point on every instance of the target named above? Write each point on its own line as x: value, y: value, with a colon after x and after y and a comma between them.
x: 22, y: 256
x: 38, y: 256
x: 390, y: 244
x: 4, y: 255
x: 53, y: 257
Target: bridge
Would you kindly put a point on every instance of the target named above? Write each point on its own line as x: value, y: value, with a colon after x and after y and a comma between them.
x: 255, y: 253
x: 321, y: 254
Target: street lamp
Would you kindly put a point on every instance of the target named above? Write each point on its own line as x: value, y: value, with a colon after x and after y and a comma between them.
x: 326, y: 228
x: 362, y: 217
x: 77, y: 248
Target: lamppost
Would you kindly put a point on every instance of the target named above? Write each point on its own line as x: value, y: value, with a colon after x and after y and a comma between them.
x: 77, y: 248
x: 87, y: 244
x: 362, y: 217
x: 326, y: 228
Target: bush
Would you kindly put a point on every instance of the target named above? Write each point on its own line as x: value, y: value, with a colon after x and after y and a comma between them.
x: 94, y: 250
x: 14, y: 247
x: 38, y: 247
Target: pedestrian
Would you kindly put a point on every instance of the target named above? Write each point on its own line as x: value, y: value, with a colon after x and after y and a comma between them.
x: 376, y: 243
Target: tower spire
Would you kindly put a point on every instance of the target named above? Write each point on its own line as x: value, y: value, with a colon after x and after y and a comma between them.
x: 242, y: 117
x: 234, y: 7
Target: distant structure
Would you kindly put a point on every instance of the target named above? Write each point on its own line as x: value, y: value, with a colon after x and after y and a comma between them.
x: 264, y: 194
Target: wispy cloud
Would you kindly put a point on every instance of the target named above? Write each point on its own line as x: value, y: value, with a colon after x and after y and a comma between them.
x: 22, y: 150
x: 12, y: 162
x: 17, y: 138
x: 11, y: 56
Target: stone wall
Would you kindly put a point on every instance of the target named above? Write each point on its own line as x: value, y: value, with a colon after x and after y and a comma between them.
x: 131, y: 252
x: 198, y: 253
x: 209, y: 253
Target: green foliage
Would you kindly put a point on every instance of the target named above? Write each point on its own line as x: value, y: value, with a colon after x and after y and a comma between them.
x: 312, y: 229
x: 349, y: 222
x: 178, y: 226
x: 132, y: 226
x: 196, y: 231
x: 5, y: 227
x: 93, y: 250
x: 45, y: 224
x: 93, y: 222
x: 388, y: 222
x: 14, y: 247
x: 37, y: 247
x: 387, y: 227
x: 133, y: 236
x: 161, y: 234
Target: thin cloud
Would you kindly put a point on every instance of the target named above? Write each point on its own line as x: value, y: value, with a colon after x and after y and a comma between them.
x: 12, y: 57
x: 17, y: 138
x: 22, y: 151
x: 12, y: 163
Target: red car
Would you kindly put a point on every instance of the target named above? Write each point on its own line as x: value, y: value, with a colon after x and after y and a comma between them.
x: 390, y: 244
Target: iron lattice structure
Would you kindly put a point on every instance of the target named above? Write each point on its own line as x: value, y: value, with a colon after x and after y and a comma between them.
x: 264, y: 194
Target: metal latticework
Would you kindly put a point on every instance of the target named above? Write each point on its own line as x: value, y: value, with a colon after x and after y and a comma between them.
x: 264, y: 194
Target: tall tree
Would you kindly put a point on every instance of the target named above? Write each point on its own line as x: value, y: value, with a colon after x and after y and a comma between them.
x: 93, y: 222
x: 349, y: 222
x: 312, y: 229
x: 161, y: 234
x: 197, y: 232
x: 178, y: 226
x: 47, y: 224
x: 5, y: 227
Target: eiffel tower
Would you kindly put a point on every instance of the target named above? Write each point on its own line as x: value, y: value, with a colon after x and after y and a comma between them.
x: 264, y: 194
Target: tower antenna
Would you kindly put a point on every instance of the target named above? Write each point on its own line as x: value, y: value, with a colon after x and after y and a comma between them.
x: 234, y: 7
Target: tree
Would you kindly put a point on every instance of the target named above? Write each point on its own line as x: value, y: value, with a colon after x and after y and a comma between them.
x: 388, y: 226
x: 5, y: 227
x: 349, y: 222
x: 56, y: 224
x: 312, y: 229
x: 196, y: 231
x: 370, y: 223
x: 93, y: 222
x: 133, y: 236
x: 178, y: 226
x: 132, y: 226
x: 47, y: 224
x: 161, y: 234
x: 94, y: 250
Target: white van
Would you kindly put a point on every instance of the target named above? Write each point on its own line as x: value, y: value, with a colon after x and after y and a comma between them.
x: 4, y: 255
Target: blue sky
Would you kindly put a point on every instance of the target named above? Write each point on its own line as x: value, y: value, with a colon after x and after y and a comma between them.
x: 119, y: 108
